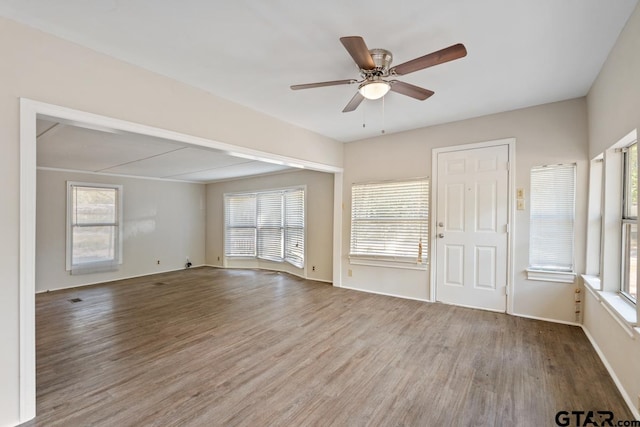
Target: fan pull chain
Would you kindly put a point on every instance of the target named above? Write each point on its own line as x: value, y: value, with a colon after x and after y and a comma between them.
x: 364, y: 115
x: 382, y: 131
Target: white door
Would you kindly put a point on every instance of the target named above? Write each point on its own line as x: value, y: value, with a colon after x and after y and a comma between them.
x: 471, y: 227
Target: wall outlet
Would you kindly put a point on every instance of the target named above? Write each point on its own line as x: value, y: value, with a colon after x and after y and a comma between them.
x: 349, y: 273
x: 218, y: 258
x: 158, y: 262
x: 313, y: 268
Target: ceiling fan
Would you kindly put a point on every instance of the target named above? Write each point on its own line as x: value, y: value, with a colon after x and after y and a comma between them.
x: 375, y: 71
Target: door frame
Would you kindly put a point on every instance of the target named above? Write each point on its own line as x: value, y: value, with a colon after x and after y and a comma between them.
x: 435, y: 152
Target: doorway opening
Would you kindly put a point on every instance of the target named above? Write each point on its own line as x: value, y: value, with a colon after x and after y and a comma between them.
x: 30, y: 112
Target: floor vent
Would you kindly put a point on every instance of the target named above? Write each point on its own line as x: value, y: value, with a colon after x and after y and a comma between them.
x: 76, y: 300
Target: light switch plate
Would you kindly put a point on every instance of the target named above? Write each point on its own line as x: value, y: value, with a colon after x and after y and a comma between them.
x: 520, y: 204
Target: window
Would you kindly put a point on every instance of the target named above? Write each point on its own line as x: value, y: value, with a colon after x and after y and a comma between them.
x: 552, y: 217
x: 267, y: 225
x: 270, y: 228
x: 93, y: 227
x: 389, y: 220
x: 629, y: 223
x: 614, y: 188
x: 294, y: 227
x: 240, y: 235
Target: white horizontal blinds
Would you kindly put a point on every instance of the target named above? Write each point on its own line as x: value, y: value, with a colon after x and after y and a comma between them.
x: 552, y: 216
x: 390, y: 219
x: 294, y: 227
x: 267, y: 225
x: 240, y: 225
x: 270, y: 226
x: 94, y: 228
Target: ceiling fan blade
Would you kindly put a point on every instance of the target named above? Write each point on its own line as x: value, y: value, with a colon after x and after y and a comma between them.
x: 410, y: 90
x: 359, y: 51
x: 353, y: 104
x: 322, y: 84
x: 439, y: 57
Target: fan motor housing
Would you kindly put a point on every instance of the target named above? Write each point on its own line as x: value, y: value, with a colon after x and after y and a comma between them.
x: 382, y: 58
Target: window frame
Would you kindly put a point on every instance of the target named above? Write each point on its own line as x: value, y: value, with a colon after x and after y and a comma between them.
x: 628, y: 221
x: 398, y: 260
x: 296, y: 259
x: 604, y: 283
x: 100, y: 266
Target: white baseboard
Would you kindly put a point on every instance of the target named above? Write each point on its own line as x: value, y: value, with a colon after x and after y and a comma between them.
x: 116, y: 279
x: 384, y: 293
x: 627, y: 399
x: 474, y: 307
x: 545, y: 319
x: 269, y: 269
x: 320, y: 280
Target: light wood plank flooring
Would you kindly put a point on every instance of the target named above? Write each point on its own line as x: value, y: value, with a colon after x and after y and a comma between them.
x: 207, y: 346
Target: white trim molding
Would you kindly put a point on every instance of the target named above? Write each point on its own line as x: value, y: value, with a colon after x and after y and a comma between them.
x: 28, y: 112
x: 628, y: 400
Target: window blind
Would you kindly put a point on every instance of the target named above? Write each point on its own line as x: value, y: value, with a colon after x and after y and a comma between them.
x: 240, y: 225
x: 294, y: 227
x: 390, y: 219
x: 268, y: 225
x: 552, y: 209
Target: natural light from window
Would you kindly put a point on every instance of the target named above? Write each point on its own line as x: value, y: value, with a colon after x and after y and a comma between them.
x: 93, y: 232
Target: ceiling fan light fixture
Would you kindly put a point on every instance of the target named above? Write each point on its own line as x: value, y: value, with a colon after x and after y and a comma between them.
x: 374, y: 89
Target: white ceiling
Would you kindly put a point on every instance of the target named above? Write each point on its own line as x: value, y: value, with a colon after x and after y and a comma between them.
x: 62, y: 146
x: 520, y: 53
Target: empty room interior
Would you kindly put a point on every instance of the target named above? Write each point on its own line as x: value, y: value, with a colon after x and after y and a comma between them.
x: 329, y: 213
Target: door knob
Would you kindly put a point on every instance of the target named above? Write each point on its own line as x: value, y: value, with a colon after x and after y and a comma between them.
x: 441, y: 235
x: 441, y: 224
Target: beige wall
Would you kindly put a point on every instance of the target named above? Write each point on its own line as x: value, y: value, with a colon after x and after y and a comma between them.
x: 319, y: 220
x: 546, y: 134
x: 44, y: 68
x: 161, y: 221
x: 614, y: 110
x: 614, y: 98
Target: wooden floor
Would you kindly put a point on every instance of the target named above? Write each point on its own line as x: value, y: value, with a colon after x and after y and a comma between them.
x: 206, y: 347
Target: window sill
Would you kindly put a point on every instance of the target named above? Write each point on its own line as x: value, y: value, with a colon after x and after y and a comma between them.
x: 617, y: 306
x: 376, y: 262
x: 551, y: 276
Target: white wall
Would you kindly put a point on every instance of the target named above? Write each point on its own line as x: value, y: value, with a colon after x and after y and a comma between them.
x: 614, y: 110
x: 162, y: 221
x: 319, y: 220
x: 546, y: 134
x: 38, y: 66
